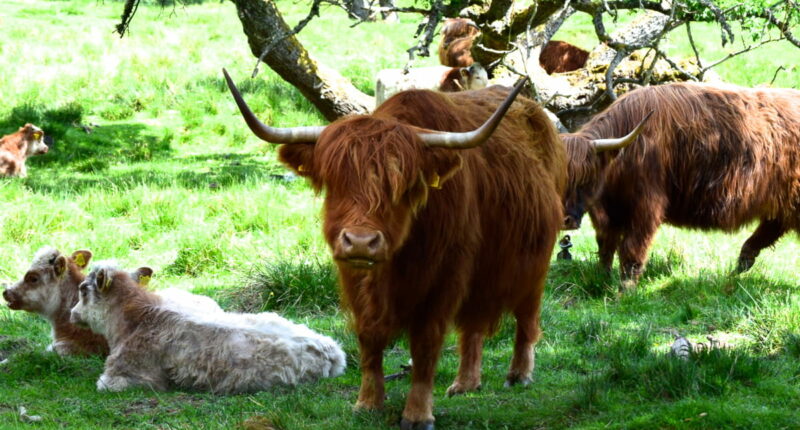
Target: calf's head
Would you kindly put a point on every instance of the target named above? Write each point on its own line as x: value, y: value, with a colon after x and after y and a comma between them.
x: 588, y: 159
x: 101, y: 293
x: 34, y: 140
x: 376, y: 172
x: 39, y: 290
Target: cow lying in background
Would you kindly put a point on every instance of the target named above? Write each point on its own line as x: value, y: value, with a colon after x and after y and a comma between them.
x: 50, y: 288
x: 17, y: 147
x: 389, y: 82
x: 560, y: 57
x: 711, y: 157
x: 158, y: 346
x: 457, y: 37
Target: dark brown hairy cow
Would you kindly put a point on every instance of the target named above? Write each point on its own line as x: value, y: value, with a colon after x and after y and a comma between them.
x: 711, y: 157
x: 457, y: 37
x: 560, y: 57
x: 429, y: 229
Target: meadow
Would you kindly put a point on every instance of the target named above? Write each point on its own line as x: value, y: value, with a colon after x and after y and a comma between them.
x: 152, y: 165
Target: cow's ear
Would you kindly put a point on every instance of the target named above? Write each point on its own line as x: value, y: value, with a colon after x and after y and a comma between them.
x: 103, y: 280
x: 298, y: 156
x: 82, y: 258
x: 445, y: 163
x: 465, y: 72
x: 60, y: 265
x: 142, y: 275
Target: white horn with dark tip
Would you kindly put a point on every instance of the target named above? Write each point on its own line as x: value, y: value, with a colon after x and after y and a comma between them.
x: 601, y: 145
x: 471, y: 139
x: 272, y: 134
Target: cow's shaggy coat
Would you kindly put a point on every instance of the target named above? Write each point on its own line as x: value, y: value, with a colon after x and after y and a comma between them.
x: 710, y: 157
x: 161, y: 347
x: 560, y: 57
x: 50, y: 288
x: 457, y: 37
x: 425, y: 237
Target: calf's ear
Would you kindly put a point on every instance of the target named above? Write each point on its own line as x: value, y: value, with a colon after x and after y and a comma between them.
x: 103, y: 280
x: 60, y: 265
x: 142, y: 275
x: 298, y: 156
x: 81, y: 258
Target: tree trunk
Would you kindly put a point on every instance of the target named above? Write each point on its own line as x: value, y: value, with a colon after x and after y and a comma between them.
x: 325, y: 88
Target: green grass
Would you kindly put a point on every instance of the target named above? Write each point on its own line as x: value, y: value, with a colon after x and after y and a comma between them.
x: 169, y: 177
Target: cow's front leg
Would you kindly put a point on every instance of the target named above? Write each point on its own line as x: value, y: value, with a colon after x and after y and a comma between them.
x: 426, y: 344
x: 767, y: 233
x: 607, y: 238
x: 370, y: 396
x: 633, y: 256
x: 469, y: 369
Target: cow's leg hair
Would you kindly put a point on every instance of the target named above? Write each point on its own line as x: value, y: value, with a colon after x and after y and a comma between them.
x: 528, y: 332
x: 607, y: 238
x: 426, y: 338
x: 371, y: 346
x: 469, y: 370
x: 633, y: 253
x: 767, y: 233
x: 607, y: 243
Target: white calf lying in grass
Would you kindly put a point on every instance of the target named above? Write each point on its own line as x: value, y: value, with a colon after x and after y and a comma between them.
x: 50, y: 288
x: 158, y: 346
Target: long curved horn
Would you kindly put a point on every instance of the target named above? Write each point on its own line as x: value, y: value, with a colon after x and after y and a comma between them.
x: 471, y: 139
x: 272, y: 134
x: 601, y: 145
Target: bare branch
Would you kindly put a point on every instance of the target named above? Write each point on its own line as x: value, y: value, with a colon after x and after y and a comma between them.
x: 720, y: 16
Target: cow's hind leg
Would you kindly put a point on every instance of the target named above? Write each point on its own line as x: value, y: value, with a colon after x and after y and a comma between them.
x: 528, y: 332
x: 767, y: 233
x: 426, y: 338
x: 469, y: 369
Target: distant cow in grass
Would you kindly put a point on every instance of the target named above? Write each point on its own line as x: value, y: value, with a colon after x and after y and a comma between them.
x: 439, y: 209
x: 457, y: 37
x: 17, y: 147
x: 560, y: 57
x: 710, y: 157
x: 158, y: 345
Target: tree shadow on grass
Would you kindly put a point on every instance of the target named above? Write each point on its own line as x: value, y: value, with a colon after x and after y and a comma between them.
x: 231, y: 170
x: 87, y: 148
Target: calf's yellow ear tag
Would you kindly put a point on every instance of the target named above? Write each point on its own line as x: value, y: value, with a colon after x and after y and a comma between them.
x: 435, y: 182
x: 301, y: 168
x: 37, y: 135
x: 80, y: 260
x: 144, y: 280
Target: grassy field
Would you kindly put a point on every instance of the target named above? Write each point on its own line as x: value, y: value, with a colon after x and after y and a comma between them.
x: 170, y: 178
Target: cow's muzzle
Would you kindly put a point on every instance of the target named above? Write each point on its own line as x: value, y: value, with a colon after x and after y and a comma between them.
x: 571, y: 223
x: 360, y: 247
x: 12, y: 299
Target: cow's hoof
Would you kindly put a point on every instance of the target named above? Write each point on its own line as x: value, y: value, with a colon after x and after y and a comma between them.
x: 744, y: 265
x: 524, y: 381
x: 411, y: 425
x: 459, y: 388
x: 627, y: 286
